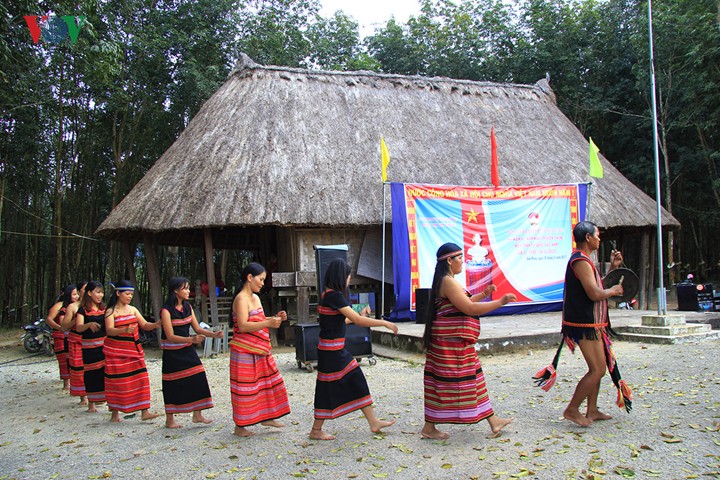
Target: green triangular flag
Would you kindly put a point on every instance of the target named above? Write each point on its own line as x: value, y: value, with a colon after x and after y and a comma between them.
x: 596, y: 169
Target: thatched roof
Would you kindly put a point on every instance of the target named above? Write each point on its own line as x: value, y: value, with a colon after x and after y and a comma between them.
x: 284, y: 146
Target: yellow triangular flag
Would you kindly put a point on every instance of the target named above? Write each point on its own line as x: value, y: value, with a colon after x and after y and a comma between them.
x: 596, y: 169
x: 384, y: 159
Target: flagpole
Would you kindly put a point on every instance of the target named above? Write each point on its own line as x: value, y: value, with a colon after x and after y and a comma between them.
x: 661, y: 300
x: 382, y: 281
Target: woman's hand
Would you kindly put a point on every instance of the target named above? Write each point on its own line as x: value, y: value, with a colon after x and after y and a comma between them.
x: 131, y: 328
x: 197, y: 339
x: 507, y: 298
x: 391, y: 326
x: 274, y: 321
x: 488, y: 290
x: 93, y: 326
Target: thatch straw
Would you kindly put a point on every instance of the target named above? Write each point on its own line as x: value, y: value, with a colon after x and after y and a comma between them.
x: 283, y: 146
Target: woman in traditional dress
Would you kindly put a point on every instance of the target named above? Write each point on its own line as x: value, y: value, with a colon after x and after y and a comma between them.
x: 127, y: 384
x: 77, y: 374
x: 184, y: 383
x: 90, y: 323
x: 256, y: 387
x: 454, y: 383
x: 60, y: 342
x: 585, y: 322
x: 341, y: 387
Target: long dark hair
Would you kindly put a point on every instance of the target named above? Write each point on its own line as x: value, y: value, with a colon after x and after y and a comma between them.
x: 252, y: 268
x: 442, y: 268
x: 119, y: 287
x: 66, y: 295
x: 87, y: 302
x: 175, y: 283
x: 336, y: 275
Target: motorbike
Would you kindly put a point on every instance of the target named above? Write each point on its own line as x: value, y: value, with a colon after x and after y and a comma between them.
x: 148, y: 339
x: 38, y: 337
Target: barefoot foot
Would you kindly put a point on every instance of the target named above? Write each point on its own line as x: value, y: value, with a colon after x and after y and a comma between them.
x: 576, y: 417
x: 115, y: 417
x: 83, y: 401
x: 242, y: 432
x: 380, y: 424
x: 434, y: 434
x: 597, y: 415
x: 148, y: 415
x: 497, y: 423
x: 172, y: 424
x: 272, y: 423
x: 318, y: 434
x: 200, y: 419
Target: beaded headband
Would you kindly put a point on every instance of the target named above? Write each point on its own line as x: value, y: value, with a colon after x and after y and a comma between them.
x: 448, y: 255
x: 129, y: 288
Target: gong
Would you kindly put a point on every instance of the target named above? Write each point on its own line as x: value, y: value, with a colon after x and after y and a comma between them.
x: 630, y: 283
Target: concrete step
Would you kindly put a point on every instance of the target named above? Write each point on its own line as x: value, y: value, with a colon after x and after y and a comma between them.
x: 663, y: 320
x: 667, y: 340
x: 684, y: 329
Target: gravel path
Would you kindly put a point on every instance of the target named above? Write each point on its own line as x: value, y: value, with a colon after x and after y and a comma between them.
x: 672, y: 432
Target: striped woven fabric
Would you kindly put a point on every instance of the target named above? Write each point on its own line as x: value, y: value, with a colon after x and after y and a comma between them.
x: 60, y: 346
x: 334, y: 344
x: 93, y: 356
x: 341, y: 387
x: 454, y: 384
x: 257, y: 389
x: 127, y: 384
x: 75, y: 360
x: 251, y: 342
x: 184, y: 382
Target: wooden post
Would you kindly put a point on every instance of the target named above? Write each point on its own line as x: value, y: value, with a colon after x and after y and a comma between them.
x: 153, y: 275
x: 127, y: 252
x: 303, y: 305
x: 210, y: 272
x: 644, y: 252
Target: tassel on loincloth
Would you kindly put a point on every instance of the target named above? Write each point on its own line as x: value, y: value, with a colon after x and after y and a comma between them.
x: 545, y: 378
x: 624, y: 398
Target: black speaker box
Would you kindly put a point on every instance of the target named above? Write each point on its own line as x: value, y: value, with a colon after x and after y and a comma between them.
x: 358, y: 341
x: 422, y: 301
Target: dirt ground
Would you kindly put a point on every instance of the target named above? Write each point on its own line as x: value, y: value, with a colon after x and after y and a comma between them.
x: 671, y: 433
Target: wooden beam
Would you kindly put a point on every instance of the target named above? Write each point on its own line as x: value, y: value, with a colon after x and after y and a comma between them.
x: 153, y: 272
x: 210, y: 272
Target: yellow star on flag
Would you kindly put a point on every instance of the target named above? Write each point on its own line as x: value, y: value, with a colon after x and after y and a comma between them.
x: 472, y: 215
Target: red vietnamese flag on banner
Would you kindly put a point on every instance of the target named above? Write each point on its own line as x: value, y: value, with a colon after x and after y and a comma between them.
x: 494, y: 175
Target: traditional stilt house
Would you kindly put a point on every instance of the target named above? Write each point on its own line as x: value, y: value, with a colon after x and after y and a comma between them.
x: 281, y: 159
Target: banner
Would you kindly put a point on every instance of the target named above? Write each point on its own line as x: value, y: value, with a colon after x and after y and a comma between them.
x: 516, y: 238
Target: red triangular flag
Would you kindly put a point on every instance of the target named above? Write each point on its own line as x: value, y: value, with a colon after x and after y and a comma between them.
x: 494, y: 175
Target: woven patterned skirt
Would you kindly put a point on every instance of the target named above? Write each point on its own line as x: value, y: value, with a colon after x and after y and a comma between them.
x: 341, y: 387
x: 454, y: 384
x: 94, y: 373
x: 257, y: 389
x: 60, y: 345
x: 127, y: 384
x: 184, y: 383
x: 75, y: 359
